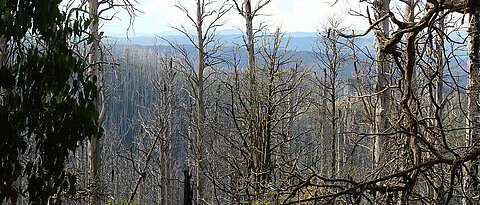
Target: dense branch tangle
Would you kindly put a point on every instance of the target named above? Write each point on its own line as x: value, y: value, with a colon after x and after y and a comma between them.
x: 402, y: 47
x: 253, y: 154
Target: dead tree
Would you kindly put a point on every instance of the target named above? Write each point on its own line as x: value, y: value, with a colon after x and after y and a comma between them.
x: 206, y: 21
x: 245, y: 9
x: 332, y: 58
x: 403, y: 46
x: 473, y: 107
x: 94, y: 145
x: 187, y: 187
x: 381, y: 8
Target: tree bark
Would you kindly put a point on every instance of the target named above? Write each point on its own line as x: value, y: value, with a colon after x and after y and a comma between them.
x: 381, y: 85
x: 187, y: 189
x: 473, y: 90
x: 250, y: 42
x: 3, y: 56
x: 410, y: 122
x: 94, y: 146
x: 440, y: 67
x: 257, y: 139
x: 200, y: 106
x: 382, y: 110
x: 333, y: 95
x: 437, y: 112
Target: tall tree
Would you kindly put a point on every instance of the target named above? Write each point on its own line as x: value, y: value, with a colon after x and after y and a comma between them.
x: 200, y: 81
x: 331, y: 56
x: 381, y: 8
x: 48, y: 106
x: 245, y: 9
x: 94, y: 144
x: 473, y: 107
x: 403, y: 46
x: 205, y: 21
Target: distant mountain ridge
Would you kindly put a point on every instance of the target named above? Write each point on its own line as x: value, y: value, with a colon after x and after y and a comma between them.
x: 300, y: 41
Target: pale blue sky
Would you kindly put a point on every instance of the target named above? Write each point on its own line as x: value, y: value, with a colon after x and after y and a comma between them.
x: 291, y: 15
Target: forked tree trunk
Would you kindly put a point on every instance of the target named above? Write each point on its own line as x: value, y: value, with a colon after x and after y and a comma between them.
x: 473, y: 86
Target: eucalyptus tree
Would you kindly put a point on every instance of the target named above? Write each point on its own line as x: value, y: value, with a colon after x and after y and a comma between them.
x: 331, y: 55
x: 245, y: 9
x: 249, y: 11
x: 47, y: 100
x: 206, y: 20
x: 408, y: 179
x: 259, y: 165
x: 96, y: 70
x: 94, y: 146
x: 473, y: 107
x: 381, y: 8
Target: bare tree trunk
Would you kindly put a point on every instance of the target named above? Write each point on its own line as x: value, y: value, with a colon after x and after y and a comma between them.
x: 200, y: 106
x: 169, y: 192
x: 437, y: 112
x: 187, y: 188
x: 334, y: 122
x: 250, y: 43
x: 3, y: 56
x: 440, y: 67
x: 94, y: 146
x: 473, y: 90
x: 162, y: 192
x: 381, y: 7
x: 332, y: 59
x: 381, y: 85
x: 255, y: 122
x: 341, y: 142
x: 348, y: 159
x: 258, y: 140
x: 165, y: 148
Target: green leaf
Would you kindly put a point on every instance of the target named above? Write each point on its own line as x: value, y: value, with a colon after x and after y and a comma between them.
x: 7, y: 12
x: 87, y: 23
x: 2, y: 4
x: 90, y: 40
x: 60, y: 100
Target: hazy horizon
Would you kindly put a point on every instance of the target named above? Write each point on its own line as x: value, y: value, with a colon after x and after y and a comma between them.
x: 158, y: 17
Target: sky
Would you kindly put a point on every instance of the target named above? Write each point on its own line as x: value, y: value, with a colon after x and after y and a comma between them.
x: 158, y: 16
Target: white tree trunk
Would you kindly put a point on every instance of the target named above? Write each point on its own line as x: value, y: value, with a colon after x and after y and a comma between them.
x: 381, y: 85
x: 439, y: 90
x: 3, y: 56
x: 200, y: 106
x: 473, y: 88
x: 94, y: 145
x: 250, y: 41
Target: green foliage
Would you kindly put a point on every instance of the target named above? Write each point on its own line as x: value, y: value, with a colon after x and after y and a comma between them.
x: 268, y: 198
x: 48, y: 105
x: 122, y: 202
